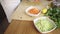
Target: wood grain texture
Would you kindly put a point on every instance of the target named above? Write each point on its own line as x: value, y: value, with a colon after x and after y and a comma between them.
x: 21, y: 27
x: 25, y: 27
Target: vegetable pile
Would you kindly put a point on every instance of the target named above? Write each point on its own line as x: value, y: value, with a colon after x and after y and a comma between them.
x: 44, y: 25
x: 54, y: 14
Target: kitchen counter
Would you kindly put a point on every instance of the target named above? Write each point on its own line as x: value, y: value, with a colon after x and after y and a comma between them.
x: 20, y: 14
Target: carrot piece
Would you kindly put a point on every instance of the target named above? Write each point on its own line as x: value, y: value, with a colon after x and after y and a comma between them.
x: 34, y: 11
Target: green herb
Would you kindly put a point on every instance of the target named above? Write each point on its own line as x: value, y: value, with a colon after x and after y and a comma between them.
x: 54, y: 14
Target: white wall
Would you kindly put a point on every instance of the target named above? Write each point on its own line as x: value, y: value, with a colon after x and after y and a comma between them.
x: 0, y: 0
x: 9, y: 6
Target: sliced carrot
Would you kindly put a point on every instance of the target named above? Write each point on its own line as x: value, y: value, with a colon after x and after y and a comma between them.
x: 34, y: 11
x: 36, y: 0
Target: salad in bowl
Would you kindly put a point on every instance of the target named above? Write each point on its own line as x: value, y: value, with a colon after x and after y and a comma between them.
x: 44, y: 24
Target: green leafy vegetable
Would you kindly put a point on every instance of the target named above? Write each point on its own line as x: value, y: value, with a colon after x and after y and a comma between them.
x: 54, y: 14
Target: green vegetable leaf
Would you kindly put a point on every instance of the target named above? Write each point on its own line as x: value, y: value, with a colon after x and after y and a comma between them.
x: 54, y: 14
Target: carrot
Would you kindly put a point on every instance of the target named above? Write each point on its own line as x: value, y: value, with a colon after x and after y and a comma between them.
x: 34, y: 11
x: 36, y: 0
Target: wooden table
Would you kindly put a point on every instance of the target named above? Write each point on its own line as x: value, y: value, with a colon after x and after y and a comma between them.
x: 25, y: 27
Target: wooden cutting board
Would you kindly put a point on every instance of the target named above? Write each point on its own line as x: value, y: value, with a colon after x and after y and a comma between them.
x: 19, y: 13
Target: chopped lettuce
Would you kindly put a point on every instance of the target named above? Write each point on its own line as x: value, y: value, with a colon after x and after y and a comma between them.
x: 44, y: 25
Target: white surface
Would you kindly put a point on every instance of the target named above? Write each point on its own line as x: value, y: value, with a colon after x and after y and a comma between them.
x: 1, y: 0
x: 9, y: 6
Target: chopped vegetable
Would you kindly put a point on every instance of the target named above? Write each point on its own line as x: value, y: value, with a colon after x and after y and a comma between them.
x: 36, y: 0
x: 44, y: 25
x: 34, y: 11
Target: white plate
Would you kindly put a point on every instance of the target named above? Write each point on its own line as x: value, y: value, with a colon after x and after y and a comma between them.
x: 30, y: 13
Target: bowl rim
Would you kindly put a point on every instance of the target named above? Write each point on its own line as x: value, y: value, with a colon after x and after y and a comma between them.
x: 30, y: 7
x: 39, y: 29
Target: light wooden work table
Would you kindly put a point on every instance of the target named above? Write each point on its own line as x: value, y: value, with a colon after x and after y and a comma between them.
x: 22, y: 23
